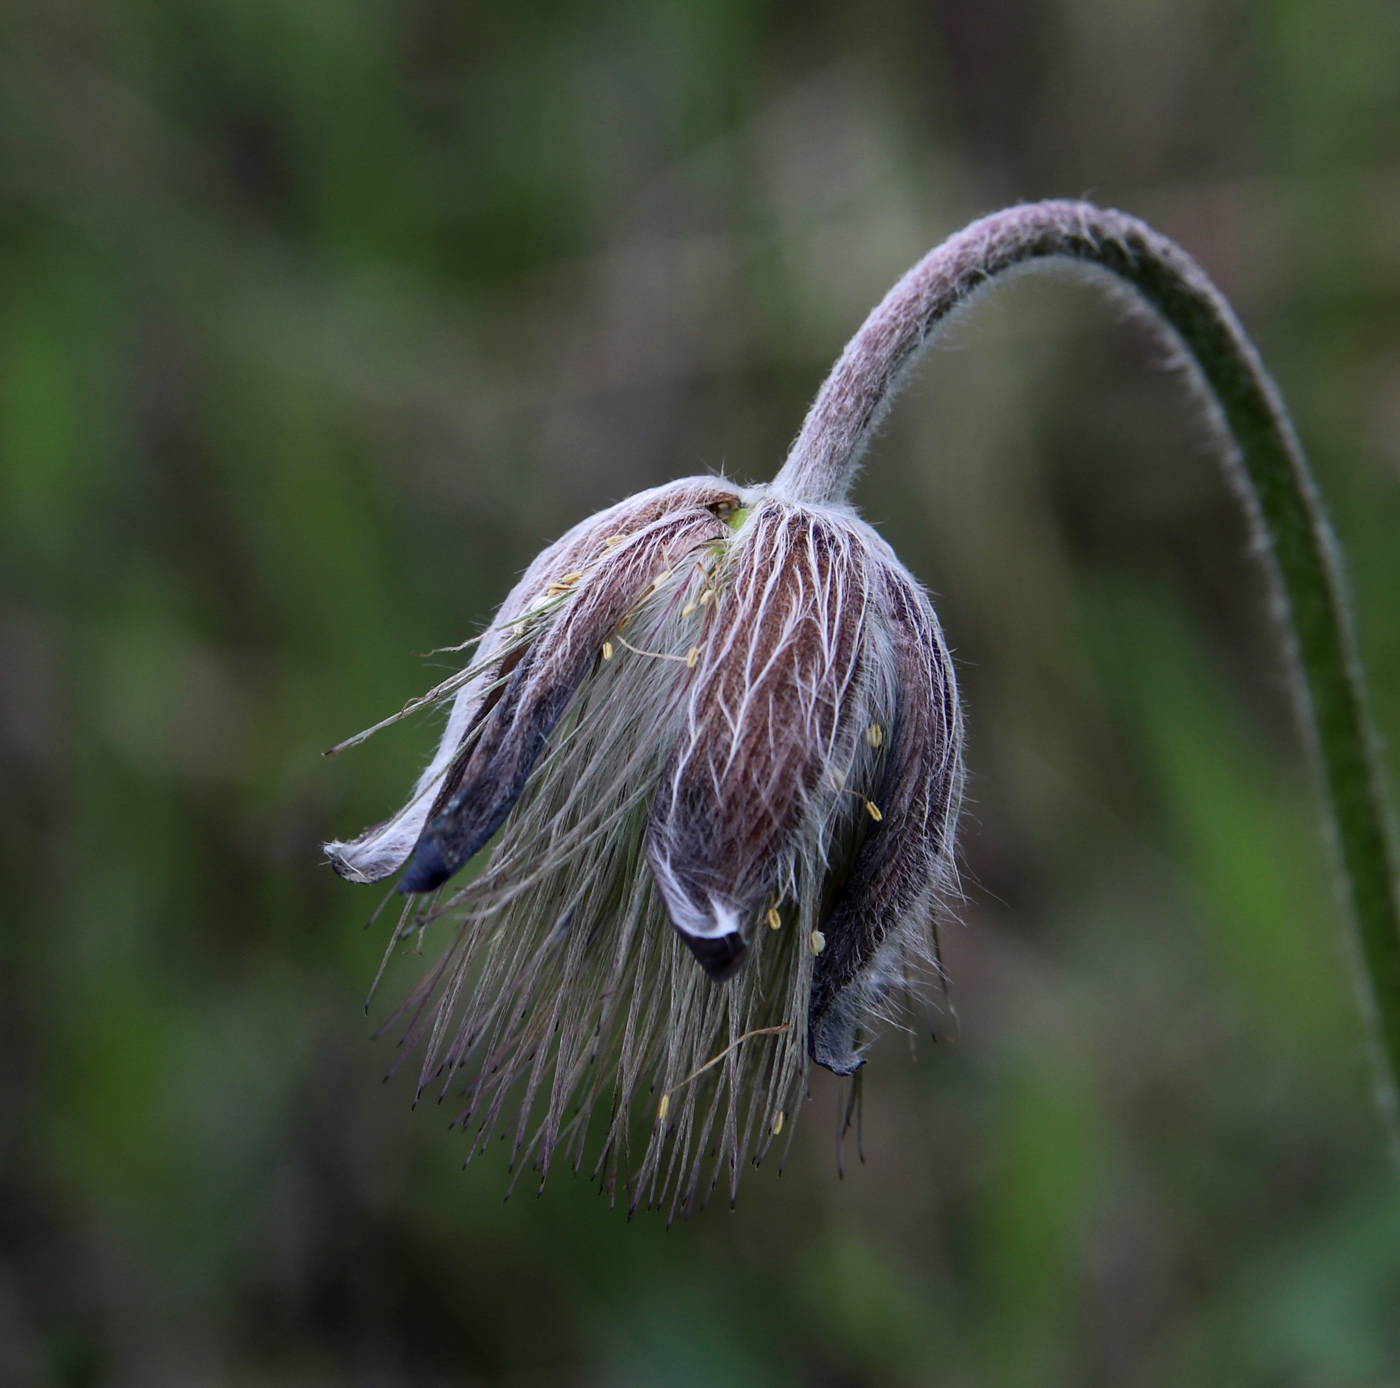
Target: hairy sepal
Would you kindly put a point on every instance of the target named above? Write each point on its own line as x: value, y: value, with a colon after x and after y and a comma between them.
x: 905, y: 861
x: 767, y: 720
x: 381, y: 850
x: 563, y: 984
x: 480, y: 792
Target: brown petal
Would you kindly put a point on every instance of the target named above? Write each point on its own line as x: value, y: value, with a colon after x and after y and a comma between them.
x: 904, y: 856
x: 778, y: 662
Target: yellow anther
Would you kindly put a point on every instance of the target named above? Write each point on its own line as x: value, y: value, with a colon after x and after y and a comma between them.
x: 607, y: 650
x: 660, y: 579
x: 662, y: 1108
x: 840, y: 778
x: 773, y: 918
x: 519, y: 629
x: 692, y: 657
x: 875, y: 735
x: 687, y: 609
x: 614, y: 540
x: 707, y: 597
x: 873, y: 810
x: 778, y: 1122
x: 818, y: 942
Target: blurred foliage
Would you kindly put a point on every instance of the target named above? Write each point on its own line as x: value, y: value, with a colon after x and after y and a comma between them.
x: 318, y: 317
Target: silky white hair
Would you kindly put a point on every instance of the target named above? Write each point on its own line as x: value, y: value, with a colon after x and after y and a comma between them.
x: 714, y: 682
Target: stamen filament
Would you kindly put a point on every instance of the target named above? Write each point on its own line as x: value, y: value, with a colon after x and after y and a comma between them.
x: 688, y: 660
x: 665, y: 1104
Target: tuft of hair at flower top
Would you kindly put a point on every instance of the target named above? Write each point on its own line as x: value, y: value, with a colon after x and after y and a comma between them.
x: 713, y: 742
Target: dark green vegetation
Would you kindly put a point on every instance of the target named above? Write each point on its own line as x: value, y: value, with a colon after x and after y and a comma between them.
x: 318, y: 319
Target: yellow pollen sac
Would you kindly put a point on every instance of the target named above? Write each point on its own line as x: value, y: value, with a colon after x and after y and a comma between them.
x: 773, y: 918
x: 614, y: 540
x: 662, y: 1108
x: 875, y: 735
x: 778, y: 1122
x: 687, y: 609
x: 607, y: 650
x: 707, y: 597
x: 818, y: 942
x: 660, y: 579
x: 873, y: 810
x: 692, y: 657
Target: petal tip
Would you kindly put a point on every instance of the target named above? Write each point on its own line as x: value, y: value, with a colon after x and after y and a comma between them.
x: 340, y: 864
x: 427, y: 869
x: 719, y: 955
x: 832, y: 1039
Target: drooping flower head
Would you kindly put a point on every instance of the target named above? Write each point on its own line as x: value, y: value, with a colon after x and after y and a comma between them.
x: 715, y: 734
x: 718, y: 736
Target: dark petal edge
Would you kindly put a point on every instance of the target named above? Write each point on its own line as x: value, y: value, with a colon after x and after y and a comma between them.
x: 719, y: 955
x: 905, y: 857
x: 495, y: 771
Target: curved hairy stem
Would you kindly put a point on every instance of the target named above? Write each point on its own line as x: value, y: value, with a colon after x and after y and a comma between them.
x: 1267, y: 468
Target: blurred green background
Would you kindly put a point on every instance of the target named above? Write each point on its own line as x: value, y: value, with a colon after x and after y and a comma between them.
x: 319, y: 317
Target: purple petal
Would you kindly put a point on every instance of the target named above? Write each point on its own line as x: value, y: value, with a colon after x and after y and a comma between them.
x: 480, y: 793
x: 779, y: 658
x: 908, y: 854
x: 384, y: 848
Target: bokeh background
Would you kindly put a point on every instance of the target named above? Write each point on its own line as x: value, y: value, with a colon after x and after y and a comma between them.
x: 319, y: 317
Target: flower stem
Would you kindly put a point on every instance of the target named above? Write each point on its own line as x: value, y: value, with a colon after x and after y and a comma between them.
x: 1268, y: 471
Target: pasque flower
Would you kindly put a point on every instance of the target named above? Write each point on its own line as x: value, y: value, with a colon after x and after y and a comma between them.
x: 718, y: 733
x: 715, y: 734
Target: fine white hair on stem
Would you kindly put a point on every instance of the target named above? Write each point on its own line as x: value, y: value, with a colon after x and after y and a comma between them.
x: 1139, y: 267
